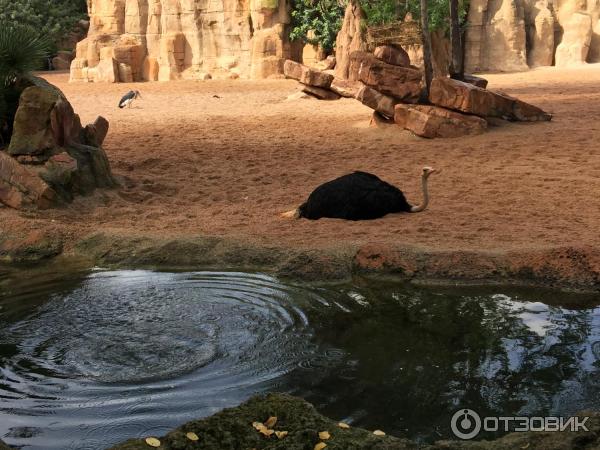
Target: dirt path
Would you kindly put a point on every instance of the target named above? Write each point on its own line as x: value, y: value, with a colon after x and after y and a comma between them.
x: 193, y: 164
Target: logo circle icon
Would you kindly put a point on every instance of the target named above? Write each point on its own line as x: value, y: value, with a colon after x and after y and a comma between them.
x: 465, y: 424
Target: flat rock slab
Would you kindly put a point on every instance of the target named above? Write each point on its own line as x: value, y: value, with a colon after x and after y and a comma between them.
x: 307, y: 75
x: 475, y: 80
x: 433, y: 121
x: 402, y: 83
x: 345, y: 88
x: 393, y: 55
x: 320, y: 93
x: 468, y: 98
x: 376, y: 100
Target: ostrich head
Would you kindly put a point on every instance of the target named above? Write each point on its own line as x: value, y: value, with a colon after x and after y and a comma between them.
x: 427, y: 171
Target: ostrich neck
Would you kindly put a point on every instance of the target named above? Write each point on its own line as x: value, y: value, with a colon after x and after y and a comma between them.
x: 425, y: 202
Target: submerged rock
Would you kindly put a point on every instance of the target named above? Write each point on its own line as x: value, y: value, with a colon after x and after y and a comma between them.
x: 51, y: 158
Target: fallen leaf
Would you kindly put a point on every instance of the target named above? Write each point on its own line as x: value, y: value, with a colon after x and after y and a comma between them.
x: 324, y: 435
x: 192, y: 436
x: 267, y: 432
x: 271, y: 421
x: 281, y: 434
x: 379, y: 433
x: 320, y: 446
x: 152, y: 442
x: 343, y: 425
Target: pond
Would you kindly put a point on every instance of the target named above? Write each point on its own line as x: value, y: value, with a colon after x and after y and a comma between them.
x: 88, y: 359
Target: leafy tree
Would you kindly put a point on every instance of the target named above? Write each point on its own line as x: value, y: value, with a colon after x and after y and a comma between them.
x: 323, y: 18
x: 22, y: 50
x: 53, y: 19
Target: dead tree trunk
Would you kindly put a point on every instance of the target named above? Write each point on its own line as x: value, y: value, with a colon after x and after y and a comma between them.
x: 426, y: 37
x: 457, y: 63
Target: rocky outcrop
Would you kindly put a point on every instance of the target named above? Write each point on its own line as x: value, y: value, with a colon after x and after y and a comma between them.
x: 468, y: 98
x: 392, y: 54
x: 351, y: 38
x: 51, y: 158
x: 181, y: 39
x: 435, y: 122
x: 237, y: 428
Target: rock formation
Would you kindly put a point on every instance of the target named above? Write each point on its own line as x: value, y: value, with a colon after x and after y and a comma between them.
x: 351, y: 38
x: 51, y: 158
x: 506, y: 35
x: 135, y: 40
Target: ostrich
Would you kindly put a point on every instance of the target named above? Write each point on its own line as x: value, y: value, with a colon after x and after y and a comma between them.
x: 358, y: 196
x: 128, y: 99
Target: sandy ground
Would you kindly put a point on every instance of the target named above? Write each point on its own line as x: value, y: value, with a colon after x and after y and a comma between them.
x: 194, y: 164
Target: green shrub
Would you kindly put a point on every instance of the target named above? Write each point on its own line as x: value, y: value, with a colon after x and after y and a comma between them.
x: 22, y: 50
x: 322, y: 17
x: 380, y: 12
x: 53, y: 19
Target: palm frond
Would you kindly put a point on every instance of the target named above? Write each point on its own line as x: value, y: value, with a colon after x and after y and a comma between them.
x: 22, y: 50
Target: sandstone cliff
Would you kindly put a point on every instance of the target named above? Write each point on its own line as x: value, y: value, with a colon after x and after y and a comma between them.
x: 135, y: 40
x: 508, y: 35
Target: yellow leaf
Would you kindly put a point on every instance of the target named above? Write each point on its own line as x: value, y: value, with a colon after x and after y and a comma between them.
x: 266, y: 431
x: 281, y: 434
x: 379, y: 433
x: 324, y: 435
x: 192, y: 436
x: 343, y: 425
x: 271, y: 421
x: 320, y: 446
x: 152, y: 442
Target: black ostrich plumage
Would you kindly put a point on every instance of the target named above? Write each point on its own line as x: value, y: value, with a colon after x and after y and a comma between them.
x: 356, y: 196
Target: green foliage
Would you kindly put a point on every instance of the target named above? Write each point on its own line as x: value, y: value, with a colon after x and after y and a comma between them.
x: 380, y: 12
x: 53, y: 19
x: 22, y: 50
x: 317, y: 21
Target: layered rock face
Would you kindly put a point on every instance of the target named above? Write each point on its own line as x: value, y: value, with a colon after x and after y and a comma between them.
x: 135, y: 40
x: 506, y: 35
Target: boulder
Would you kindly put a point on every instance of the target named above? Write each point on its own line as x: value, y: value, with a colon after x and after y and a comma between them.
x: 393, y: 55
x: 352, y: 37
x: 94, y: 133
x: 51, y: 158
x: 307, y: 75
x: 107, y: 70
x: 326, y: 64
x: 575, y: 44
x: 474, y: 80
x: 402, y: 83
x: 468, y: 98
x: 432, y: 121
x: 21, y: 187
x: 345, y: 88
x: 376, y: 100
x: 320, y: 93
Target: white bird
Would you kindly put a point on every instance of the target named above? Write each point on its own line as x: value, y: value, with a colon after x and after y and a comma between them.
x: 128, y: 99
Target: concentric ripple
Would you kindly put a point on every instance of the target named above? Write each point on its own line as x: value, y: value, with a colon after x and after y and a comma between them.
x: 108, y: 355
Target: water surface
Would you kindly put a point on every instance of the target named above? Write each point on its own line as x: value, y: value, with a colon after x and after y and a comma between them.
x: 90, y: 359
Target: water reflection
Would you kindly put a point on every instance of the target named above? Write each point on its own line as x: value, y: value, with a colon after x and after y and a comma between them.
x: 89, y: 360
